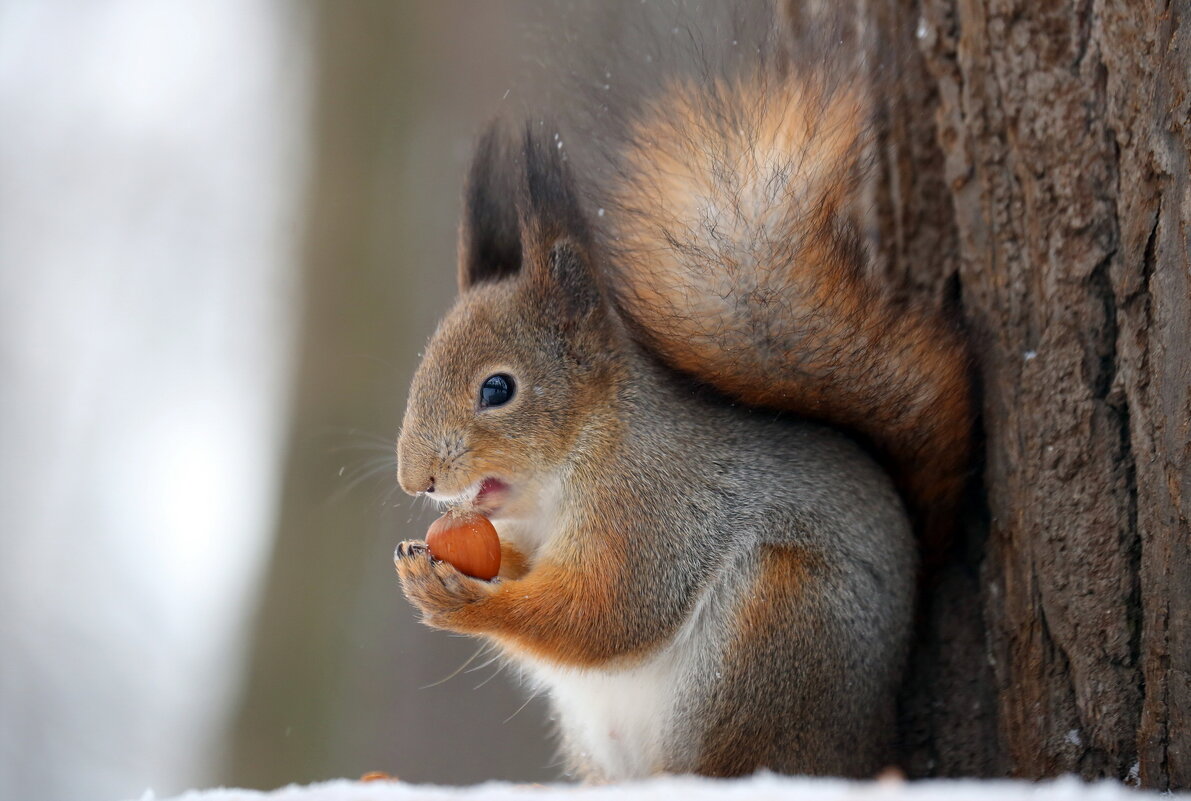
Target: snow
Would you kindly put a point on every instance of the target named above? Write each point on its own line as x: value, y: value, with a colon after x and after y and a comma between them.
x: 757, y: 788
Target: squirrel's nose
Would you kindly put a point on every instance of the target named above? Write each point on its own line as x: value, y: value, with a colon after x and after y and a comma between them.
x: 414, y: 464
x: 413, y: 476
x: 415, y: 484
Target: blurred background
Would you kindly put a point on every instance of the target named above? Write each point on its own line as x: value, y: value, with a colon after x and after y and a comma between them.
x: 226, y: 229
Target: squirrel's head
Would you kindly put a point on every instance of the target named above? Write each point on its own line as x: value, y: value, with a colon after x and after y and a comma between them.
x: 524, y: 363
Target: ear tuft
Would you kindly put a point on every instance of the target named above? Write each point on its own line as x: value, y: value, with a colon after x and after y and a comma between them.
x: 523, y: 214
x: 490, y: 236
x: 550, y: 207
x: 555, y: 237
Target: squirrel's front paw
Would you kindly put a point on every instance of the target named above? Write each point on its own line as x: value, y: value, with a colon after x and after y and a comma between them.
x: 437, y: 588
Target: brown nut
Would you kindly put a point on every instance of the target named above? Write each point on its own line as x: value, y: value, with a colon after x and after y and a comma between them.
x: 378, y: 776
x: 467, y: 541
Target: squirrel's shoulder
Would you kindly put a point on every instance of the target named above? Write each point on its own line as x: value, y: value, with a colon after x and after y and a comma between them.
x: 743, y: 462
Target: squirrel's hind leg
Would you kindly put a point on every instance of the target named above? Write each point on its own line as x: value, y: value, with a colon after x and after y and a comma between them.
x: 785, y: 701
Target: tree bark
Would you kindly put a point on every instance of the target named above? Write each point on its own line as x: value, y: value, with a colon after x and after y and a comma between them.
x: 1034, y: 176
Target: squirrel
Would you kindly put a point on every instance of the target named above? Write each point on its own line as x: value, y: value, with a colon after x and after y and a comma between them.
x: 704, y: 434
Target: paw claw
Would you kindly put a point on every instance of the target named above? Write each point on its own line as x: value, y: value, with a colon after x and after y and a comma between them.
x: 409, y: 549
x: 435, y: 587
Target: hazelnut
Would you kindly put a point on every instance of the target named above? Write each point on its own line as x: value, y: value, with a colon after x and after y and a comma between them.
x: 467, y: 541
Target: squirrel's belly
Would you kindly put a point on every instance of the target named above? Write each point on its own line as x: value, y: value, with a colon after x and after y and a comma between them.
x: 619, y: 722
x: 628, y: 723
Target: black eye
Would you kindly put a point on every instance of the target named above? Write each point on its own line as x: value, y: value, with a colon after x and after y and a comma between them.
x: 496, y: 390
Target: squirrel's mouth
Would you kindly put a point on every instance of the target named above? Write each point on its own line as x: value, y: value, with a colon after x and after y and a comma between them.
x: 491, y: 496
x: 486, y: 496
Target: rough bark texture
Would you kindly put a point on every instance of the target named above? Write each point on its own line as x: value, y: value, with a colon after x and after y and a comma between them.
x: 1034, y: 175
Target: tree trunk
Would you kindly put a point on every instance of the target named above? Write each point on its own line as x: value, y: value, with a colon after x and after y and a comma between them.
x: 1034, y: 175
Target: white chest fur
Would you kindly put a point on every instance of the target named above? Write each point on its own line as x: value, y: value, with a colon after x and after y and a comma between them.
x: 625, y: 722
x: 534, y: 519
x: 619, y: 721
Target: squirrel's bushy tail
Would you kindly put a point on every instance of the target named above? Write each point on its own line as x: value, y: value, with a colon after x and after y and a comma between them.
x: 737, y: 261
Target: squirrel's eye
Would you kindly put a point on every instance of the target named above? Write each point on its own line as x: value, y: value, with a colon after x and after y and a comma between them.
x: 496, y: 390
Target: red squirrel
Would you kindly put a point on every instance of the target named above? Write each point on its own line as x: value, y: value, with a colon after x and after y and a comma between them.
x: 658, y: 403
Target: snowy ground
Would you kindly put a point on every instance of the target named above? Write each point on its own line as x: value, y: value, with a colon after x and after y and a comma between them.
x: 758, y: 788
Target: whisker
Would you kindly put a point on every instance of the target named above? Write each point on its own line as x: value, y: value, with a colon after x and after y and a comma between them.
x: 457, y: 670
x: 369, y: 467
x: 484, y: 664
x: 535, y: 694
x: 365, y: 456
x: 346, y: 438
x: 495, y: 673
x: 363, y: 472
x: 386, y: 445
x: 389, y: 496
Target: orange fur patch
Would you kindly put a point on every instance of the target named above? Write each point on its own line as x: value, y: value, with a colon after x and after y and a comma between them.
x: 567, y: 614
x: 727, y: 749
x: 736, y: 262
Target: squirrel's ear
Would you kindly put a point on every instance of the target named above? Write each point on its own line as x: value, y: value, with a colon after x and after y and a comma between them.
x: 555, y: 238
x: 490, y: 236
